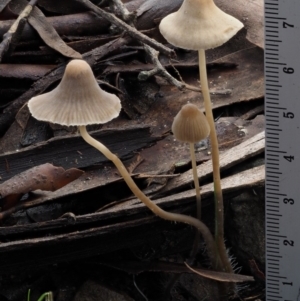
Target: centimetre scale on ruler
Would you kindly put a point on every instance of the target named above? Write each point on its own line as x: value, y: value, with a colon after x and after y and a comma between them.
x: 282, y: 111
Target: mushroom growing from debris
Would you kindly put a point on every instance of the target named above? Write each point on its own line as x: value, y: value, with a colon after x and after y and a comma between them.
x: 79, y: 101
x: 200, y: 25
x: 191, y: 126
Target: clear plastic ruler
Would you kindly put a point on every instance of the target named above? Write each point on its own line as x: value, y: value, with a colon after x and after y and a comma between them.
x: 282, y: 111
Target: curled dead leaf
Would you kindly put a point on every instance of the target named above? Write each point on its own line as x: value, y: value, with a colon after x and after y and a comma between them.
x: 43, y: 177
x: 45, y: 30
x: 220, y: 276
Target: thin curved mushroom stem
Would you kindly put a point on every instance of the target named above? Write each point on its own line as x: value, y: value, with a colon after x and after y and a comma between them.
x: 219, y: 210
x: 202, y: 228
x: 196, y: 181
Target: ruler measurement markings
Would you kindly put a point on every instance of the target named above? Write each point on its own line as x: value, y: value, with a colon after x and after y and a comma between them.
x: 270, y: 232
x: 276, y: 130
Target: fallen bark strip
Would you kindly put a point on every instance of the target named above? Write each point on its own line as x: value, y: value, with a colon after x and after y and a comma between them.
x: 72, y: 151
x: 81, y: 24
x: 136, y: 68
x: 232, y: 185
x: 53, y: 76
x: 75, y: 245
x: 248, y: 149
x: 24, y: 71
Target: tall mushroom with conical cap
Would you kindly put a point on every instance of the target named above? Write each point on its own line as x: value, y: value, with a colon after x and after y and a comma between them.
x: 79, y: 101
x: 200, y: 25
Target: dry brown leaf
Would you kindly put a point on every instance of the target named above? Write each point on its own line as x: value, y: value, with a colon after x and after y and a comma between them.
x: 46, y: 31
x: 43, y: 177
x: 220, y: 276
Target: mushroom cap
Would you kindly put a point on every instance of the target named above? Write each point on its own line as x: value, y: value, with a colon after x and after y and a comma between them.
x: 199, y: 24
x: 190, y: 125
x: 77, y: 100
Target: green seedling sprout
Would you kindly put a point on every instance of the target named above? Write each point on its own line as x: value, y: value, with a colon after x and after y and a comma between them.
x: 48, y: 296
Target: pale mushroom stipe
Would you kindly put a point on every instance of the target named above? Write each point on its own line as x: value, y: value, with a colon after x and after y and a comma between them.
x: 78, y: 100
x: 191, y: 126
x: 200, y: 25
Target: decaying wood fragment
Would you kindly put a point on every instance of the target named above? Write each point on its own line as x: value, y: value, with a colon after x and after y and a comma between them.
x: 72, y: 151
x: 75, y: 25
x: 233, y: 185
x: 24, y: 71
x: 247, y: 149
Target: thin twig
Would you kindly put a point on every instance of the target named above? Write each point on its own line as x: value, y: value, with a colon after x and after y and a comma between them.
x: 153, y: 54
x: 159, y: 69
x: 120, y: 9
x: 11, y: 37
x: 134, y: 33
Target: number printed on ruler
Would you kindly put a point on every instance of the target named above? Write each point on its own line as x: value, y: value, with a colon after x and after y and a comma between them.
x: 282, y: 111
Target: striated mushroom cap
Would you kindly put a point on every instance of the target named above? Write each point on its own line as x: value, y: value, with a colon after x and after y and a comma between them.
x: 190, y: 125
x: 77, y: 100
x: 199, y: 24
